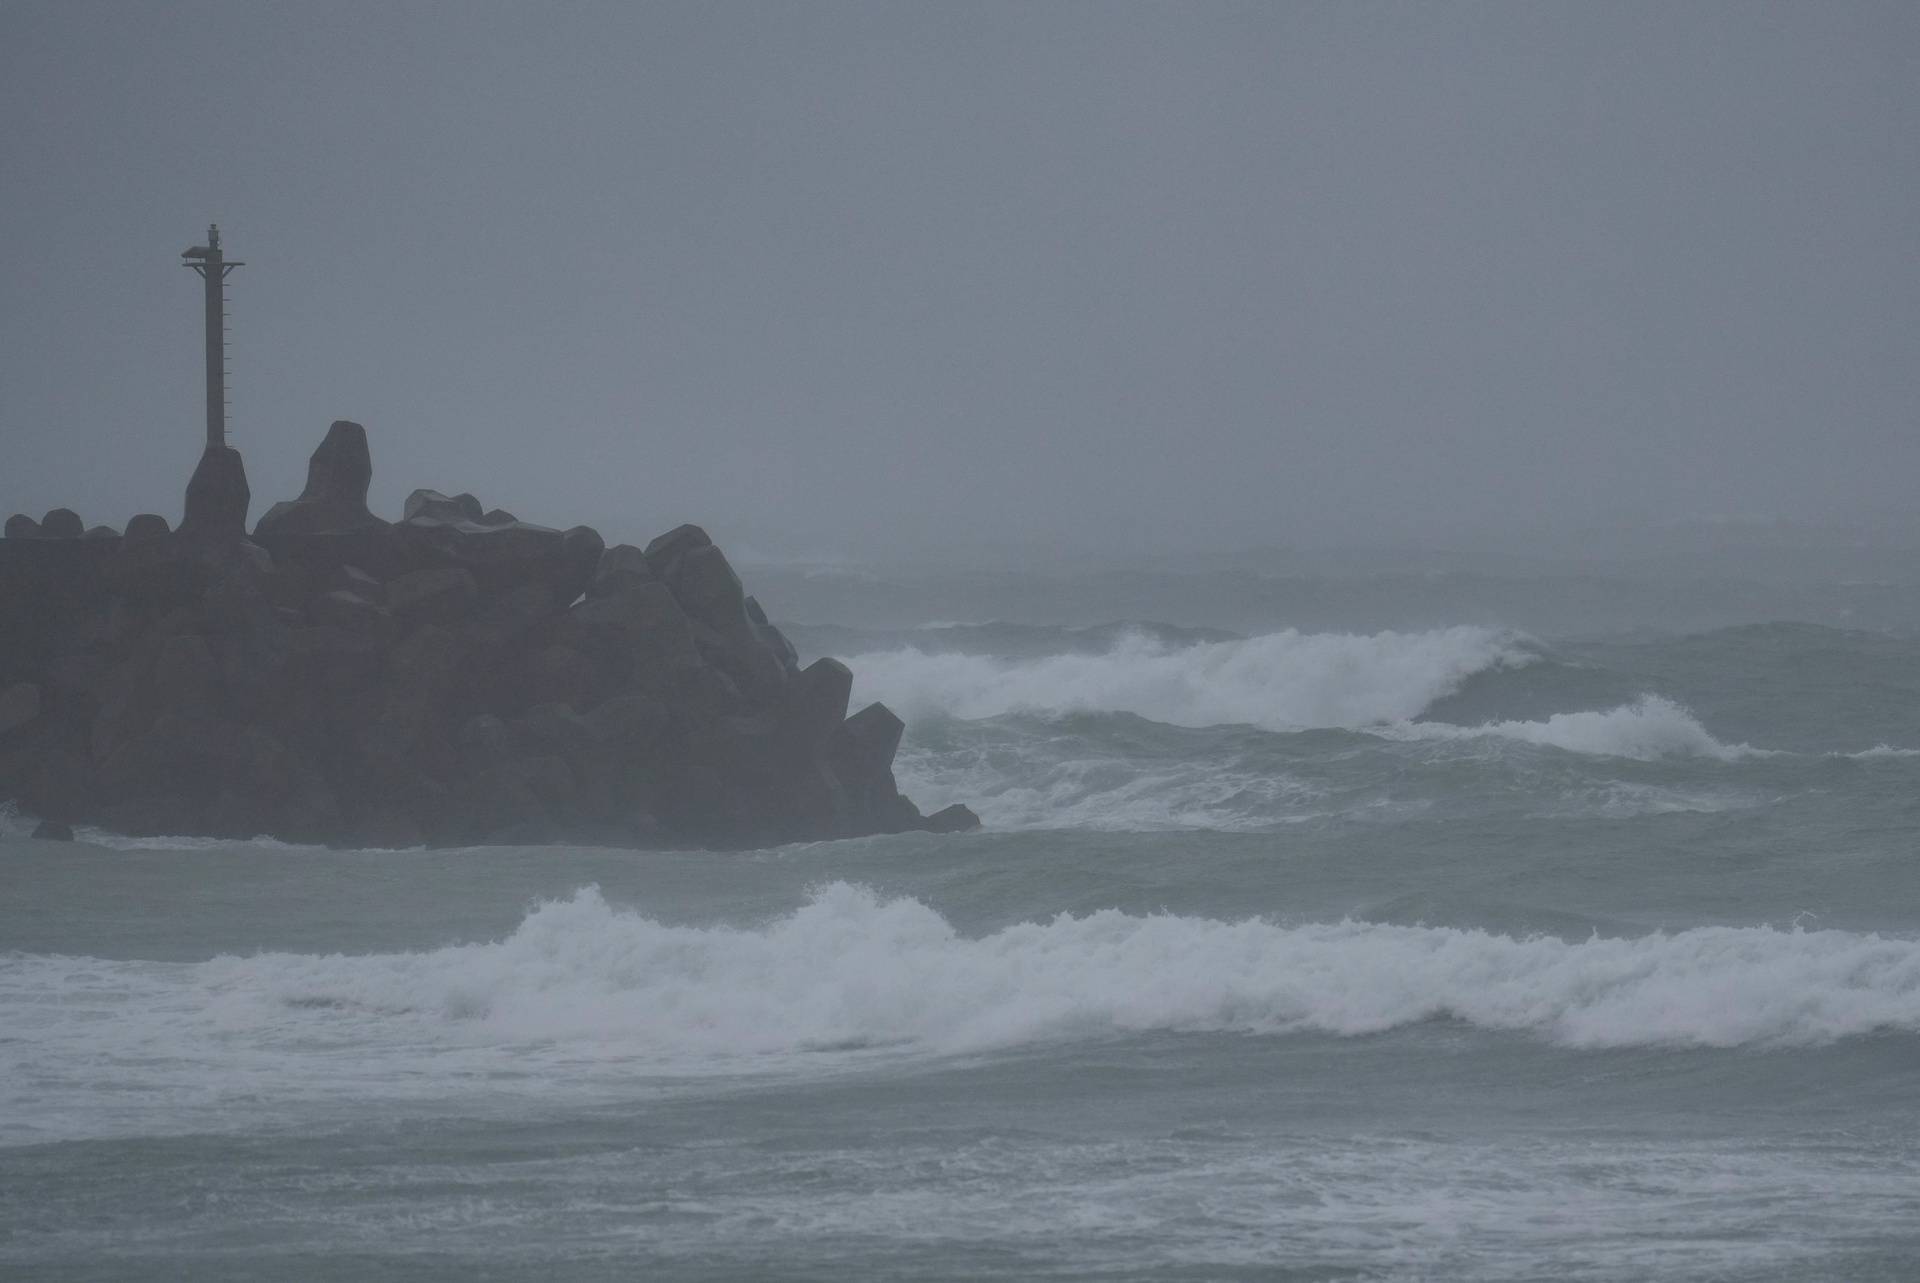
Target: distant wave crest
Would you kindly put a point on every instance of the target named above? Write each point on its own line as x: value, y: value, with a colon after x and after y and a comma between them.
x: 1650, y: 727
x: 1281, y: 681
x: 1285, y: 681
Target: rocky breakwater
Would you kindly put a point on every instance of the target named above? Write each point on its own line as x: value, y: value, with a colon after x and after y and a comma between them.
x: 458, y: 676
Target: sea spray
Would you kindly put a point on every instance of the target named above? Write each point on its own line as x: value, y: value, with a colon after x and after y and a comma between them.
x: 1651, y: 727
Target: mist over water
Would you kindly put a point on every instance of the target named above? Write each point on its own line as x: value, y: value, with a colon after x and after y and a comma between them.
x: 1398, y: 517
x: 1013, y: 284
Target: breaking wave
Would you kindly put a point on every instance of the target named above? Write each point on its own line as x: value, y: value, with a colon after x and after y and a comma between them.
x: 1108, y: 793
x: 1281, y: 681
x: 849, y: 969
x: 1651, y: 727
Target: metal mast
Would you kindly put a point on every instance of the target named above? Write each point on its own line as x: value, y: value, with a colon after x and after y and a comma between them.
x: 213, y: 268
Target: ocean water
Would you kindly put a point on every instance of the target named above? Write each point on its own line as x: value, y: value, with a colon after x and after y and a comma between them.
x: 1433, y: 954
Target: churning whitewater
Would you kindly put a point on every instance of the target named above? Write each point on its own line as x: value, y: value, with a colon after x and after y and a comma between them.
x: 1272, y: 730
x: 1280, y: 682
x: 850, y: 970
x: 1305, y: 955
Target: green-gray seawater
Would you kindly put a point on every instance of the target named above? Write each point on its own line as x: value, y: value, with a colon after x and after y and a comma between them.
x: 1434, y: 955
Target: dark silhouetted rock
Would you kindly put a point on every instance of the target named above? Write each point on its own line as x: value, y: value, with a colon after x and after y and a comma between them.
x: 704, y: 583
x: 181, y: 619
x: 63, y: 785
x: 184, y: 676
x: 451, y: 532
x: 387, y: 830
x: 122, y: 712
x: 420, y: 674
x: 459, y: 676
x: 348, y: 611
x: 233, y: 814
x: 341, y: 467
x: 217, y: 498
x: 516, y: 546
x: 699, y: 576
x: 376, y: 549
x: 725, y: 777
x: 431, y: 505
x: 253, y: 560
x: 621, y: 566
x: 864, y: 744
x: 19, y: 705
x: 260, y: 767
x: 772, y: 639
x: 153, y: 815
x: 500, y: 806
x: 179, y: 757
x: 641, y: 628
x: 146, y: 526
x: 291, y: 584
x: 53, y: 831
x: 557, y: 729
x: 101, y: 532
x: 484, y: 741
x: 332, y: 661
x: 860, y: 755
x: 665, y: 552
x: 249, y: 642
x: 358, y: 581
x: 632, y: 722
x: 509, y: 619
x: 562, y: 675
x: 310, y: 812
x: 550, y: 778
x: 77, y: 677
x: 892, y: 813
x: 62, y: 523
x: 439, y: 596
x: 952, y: 819
x: 335, y: 498
x: 818, y: 699
x: 580, y: 552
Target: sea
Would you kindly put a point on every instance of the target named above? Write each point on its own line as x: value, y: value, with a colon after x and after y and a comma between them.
x: 1536, y: 947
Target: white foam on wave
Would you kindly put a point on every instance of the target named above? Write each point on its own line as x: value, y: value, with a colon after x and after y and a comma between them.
x: 1651, y: 727
x: 1626, y: 800
x: 849, y: 968
x: 1039, y: 790
x: 586, y: 1001
x: 1282, y: 681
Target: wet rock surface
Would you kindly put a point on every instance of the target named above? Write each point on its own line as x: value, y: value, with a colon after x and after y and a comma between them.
x: 458, y: 676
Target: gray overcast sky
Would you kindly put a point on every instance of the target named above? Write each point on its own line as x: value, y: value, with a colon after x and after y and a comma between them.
x: 874, y: 276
